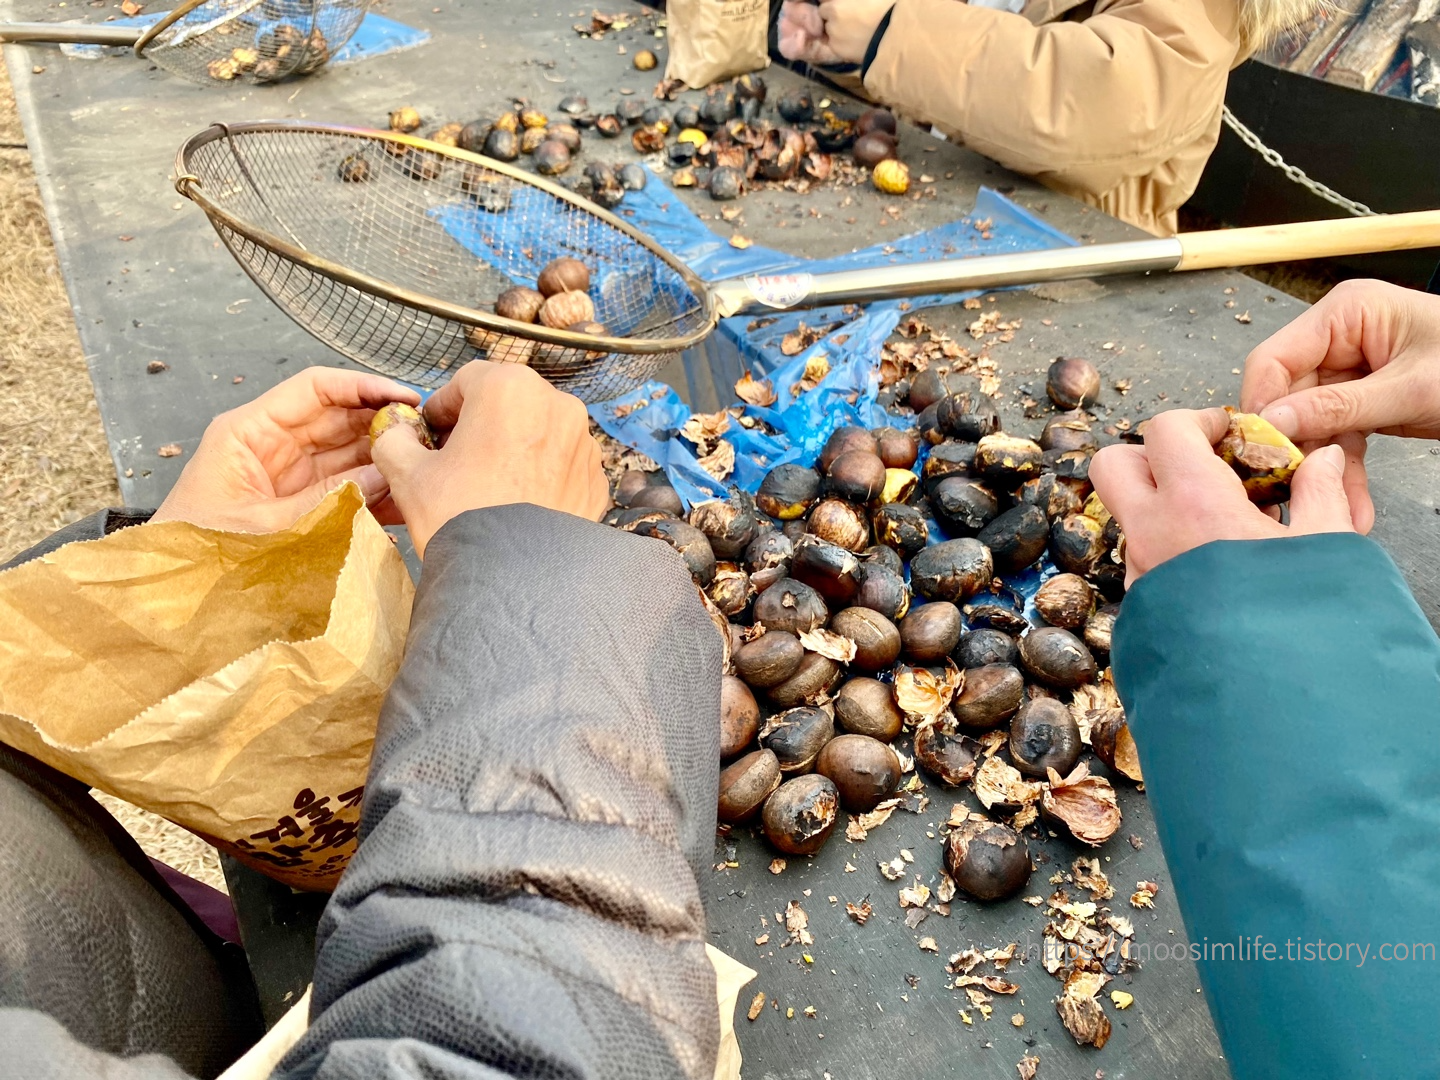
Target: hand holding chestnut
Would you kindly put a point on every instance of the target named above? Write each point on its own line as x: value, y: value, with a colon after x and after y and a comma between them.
x: 1174, y: 494
x: 508, y: 436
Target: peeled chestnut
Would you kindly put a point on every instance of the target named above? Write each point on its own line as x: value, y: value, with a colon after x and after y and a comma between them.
x: 874, y: 147
x: 810, y: 683
x: 769, y: 660
x: 1043, y: 736
x: 841, y: 523
x: 863, y: 770
x: 645, y: 60
x: 946, y: 460
x: 827, y: 568
x: 520, y: 304
x: 1007, y: 460
x: 857, y: 475
x: 1066, y: 601
x: 1077, y: 543
x: 989, y: 697
x: 729, y: 524
x: 844, y: 439
x: 955, y: 570
x: 981, y: 648
x: 1073, y: 383
x: 963, y: 506
x: 800, y: 816
x: 947, y: 756
x: 877, y: 641
x: 901, y: 528
x: 882, y: 589
x: 790, y: 605
x: 1057, y: 658
x: 967, y: 416
x: 406, y: 119
x: 502, y: 145
x: 746, y: 784
x: 1017, y: 537
x: 689, y: 541
x: 788, y: 491
x: 866, y: 706
x: 796, y: 736
x: 1069, y: 431
x: 739, y: 716
x: 897, y: 449
x: 929, y: 633
x: 987, y: 860
x: 882, y: 120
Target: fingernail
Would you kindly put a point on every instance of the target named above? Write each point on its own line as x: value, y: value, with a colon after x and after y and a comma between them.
x: 372, y: 482
x: 1282, y: 416
x: 1332, y: 457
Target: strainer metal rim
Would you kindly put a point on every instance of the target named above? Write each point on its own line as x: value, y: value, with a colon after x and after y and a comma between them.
x: 169, y: 19
x: 191, y: 187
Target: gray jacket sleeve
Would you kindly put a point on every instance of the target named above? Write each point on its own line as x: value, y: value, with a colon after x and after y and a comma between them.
x: 542, y: 794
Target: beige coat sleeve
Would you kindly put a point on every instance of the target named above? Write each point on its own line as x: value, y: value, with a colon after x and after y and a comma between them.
x: 1084, y: 106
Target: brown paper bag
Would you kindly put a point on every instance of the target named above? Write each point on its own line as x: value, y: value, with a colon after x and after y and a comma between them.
x: 226, y: 681
x: 712, y: 40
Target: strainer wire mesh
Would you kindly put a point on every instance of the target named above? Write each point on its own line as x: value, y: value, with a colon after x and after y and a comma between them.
x: 392, y: 251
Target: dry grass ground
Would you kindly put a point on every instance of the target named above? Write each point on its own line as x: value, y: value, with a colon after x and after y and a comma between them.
x: 55, y: 466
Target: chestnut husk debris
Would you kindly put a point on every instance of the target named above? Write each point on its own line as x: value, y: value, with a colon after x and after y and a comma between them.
x: 1084, y: 805
x: 987, y: 860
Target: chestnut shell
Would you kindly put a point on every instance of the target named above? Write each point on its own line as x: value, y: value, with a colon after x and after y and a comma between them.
x: 981, y: 648
x: 949, y: 757
x: 1017, y: 537
x: 954, y: 570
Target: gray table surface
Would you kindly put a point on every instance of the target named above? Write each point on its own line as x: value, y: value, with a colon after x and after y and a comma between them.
x: 149, y: 281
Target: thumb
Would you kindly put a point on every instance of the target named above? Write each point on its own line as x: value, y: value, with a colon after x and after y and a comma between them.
x: 1318, y: 502
x: 398, y: 453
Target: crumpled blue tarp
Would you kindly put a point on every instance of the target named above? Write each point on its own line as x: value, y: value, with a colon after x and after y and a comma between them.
x: 375, y: 36
x: 802, y: 423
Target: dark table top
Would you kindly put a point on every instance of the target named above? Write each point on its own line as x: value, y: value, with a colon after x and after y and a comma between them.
x: 149, y: 280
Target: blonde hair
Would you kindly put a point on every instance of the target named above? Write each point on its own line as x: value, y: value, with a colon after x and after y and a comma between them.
x: 1261, y: 21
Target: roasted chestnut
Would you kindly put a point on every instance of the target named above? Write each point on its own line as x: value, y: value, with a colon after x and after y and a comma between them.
x: 770, y: 550
x: 877, y: 641
x: 788, y: 491
x: 552, y: 157
x: 1073, y: 383
x: 1077, y: 543
x: 630, y: 109
x: 568, y: 134
x: 1069, y: 431
x: 790, y: 605
x: 1066, y: 601
x: 800, y: 816
x: 609, y: 125
x: 565, y: 309
x: 963, y: 507
x: 882, y: 589
x: 520, y: 304
x: 856, y: 475
x: 354, y: 169
x: 827, y: 568
x: 739, y: 716
x: 897, y: 449
x: 422, y: 165
x: 1043, y: 736
x: 1056, y: 497
x: 879, y: 555
x: 881, y: 120
x: 866, y: 706
x: 901, y: 528
x: 987, y: 860
x: 900, y: 485
x: 935, y: 382
x: 472, y: 136
x: 929, y: 633
x: 796, y: 736
x: 954, y: 570
x: 659, y: 495
x: 1007, y: 460
x: 863, y: 770
x: 726, y: 183
x: 1099, y: 629
x: 989, y: 697
x: 928, y: 427
x: 970, y: 417
x: 405, y: 120
x: 841, y: 523
x: 1261, y: 455
x: 502, y: 145
x: 796, y: 106
x: 530, y: 140
x: 689, y: 541
x: 981, y: 648
x: 948, y: 756
x: 874, y: 147
x: 948, y: 459
x: 769, y: 660
x: 731, y: 590
x: 1057, y: 658
x: 810, y: 684
x: 746, y: 784
x: 729, y: 524
x: 1017, y: 537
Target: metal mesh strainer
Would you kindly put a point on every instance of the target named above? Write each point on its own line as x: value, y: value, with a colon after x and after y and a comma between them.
x: 210, y: 41
x: 392, y: 251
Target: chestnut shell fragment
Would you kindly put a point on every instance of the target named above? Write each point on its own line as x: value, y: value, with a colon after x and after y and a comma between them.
x: 951, y: 758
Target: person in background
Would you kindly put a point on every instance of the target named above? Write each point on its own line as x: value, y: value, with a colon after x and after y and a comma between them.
x: 524, y: 899
x: 1283, y: 688
x: 1114, y: 102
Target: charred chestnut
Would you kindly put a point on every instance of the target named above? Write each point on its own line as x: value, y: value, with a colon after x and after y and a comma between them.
x: 630, y: 109
x: 987, y: 860
x: 769, y: 660
x: 970, y: 417
x: 935, y: 382
x: 746, y: 784
x: 354, y: 169
x: 867, y: 707
x: 856, y: 475
x: 947, y: 756
x: 947, y: 460
x: 1017, y: 537
x: 1077, y: 543
x: 877, y: 641
x: 901, y: 528
x: 1057, y: 658
x: 530, y: 140
x: 990, y: 696
x: 632, y: 177
x: 841, y: 523
x: 660, y: 495
x: 689, y: 541
x: 982, y: 648
x: 800, y: 816
x: 796, y: 736
x: 567, y: 134
x: 863, y: 770
x: 790, y: 605
x: 502, y: 145
x: 726, y: 184
x: 788, y: 491
x: 879, y: 555
x: 955, y: 570
x: 769, y: 550
x: 796, y: 106
x: 930, y: 632
x: 1073, y: 383
x: 739, y: 716
x: 1066, y: 601
x: 1055, y: 497
x: 962, y: 506
x: 1007, y: 460
x: 729, y: 524
x: 997, y: 610
x: 1043, y: 736
x: 827, y: 568
x: 552, y: 158
x: 883, y: 590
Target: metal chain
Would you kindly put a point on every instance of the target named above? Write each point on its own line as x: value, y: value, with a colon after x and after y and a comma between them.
x: 1270, y: 157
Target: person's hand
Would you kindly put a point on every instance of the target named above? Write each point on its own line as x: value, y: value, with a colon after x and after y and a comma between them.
x: 508, y: 437
x: 1366, y: 358
x: 1174, y: 493
x: 802, y: 34
x: 261, y: 466
x: 851, y: 24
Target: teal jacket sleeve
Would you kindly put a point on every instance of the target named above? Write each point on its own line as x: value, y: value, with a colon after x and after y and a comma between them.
x: 1285, y: 699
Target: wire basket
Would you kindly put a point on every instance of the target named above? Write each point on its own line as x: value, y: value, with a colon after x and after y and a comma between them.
x: 392, y: 250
